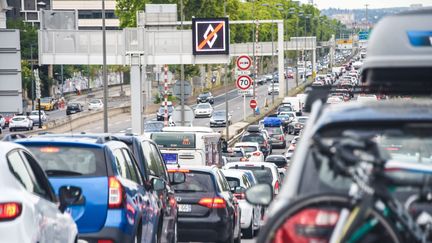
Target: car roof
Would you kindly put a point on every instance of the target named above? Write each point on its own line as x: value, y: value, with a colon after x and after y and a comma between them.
x: 8, y: 146
x: 419, y: 110
x: 87, y: 140
x: 251, y: 164
x: 199, y: 168
x: 233, y: 173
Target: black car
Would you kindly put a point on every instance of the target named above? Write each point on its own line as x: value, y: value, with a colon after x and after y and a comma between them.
x: 73, y: 108
x: 260, y: 138
x: 152, y: 166
x: 160, y: 116
x: 205, y: 97
x: 208, y: 211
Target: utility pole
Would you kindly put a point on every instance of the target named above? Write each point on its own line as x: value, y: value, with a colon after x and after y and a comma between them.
x: 300, y: 14
x: 104, y: 69
x: 182, y: 96
x: 367, y: 20
x: 32, y: 76
x: 226, y: 90
x: 254, y: 41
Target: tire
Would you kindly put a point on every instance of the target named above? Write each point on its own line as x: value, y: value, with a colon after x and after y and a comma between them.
x: 322, y: 200
x: 249, y: 232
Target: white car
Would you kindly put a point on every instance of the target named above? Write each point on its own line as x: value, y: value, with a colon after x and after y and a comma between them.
x: 34, y: 116
x: 203, y: 110
x: 29, y: 209
x: 252, y: 150
x: 2, y: 122
x: 20, y: 122
x: 250, y: 214
x: 366, y: 98
x: 271, y: 89
x: 95, y: 104
x: 264, y: 172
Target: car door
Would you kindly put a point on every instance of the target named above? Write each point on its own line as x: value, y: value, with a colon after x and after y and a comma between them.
x: 66, y: 229
x: 46, y: 212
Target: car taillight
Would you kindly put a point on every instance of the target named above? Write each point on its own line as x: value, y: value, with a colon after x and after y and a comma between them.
x: 256, y: 153
x: 10, y: 210
x: 276, y: 187
x: 115, y: 193
x: 215, y: 202
x: 240, y: 196
x: 292, y: 147
x: 282, y: 138
x: 309, y: 225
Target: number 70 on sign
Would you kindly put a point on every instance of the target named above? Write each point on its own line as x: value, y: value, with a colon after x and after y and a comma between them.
x: 243, y: 82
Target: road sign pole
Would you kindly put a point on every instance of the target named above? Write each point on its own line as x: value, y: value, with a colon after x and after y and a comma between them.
x: 226, y: 90
x: 104, y: 71
x: 244, y: 108
x: 182, y: 67
x: 166, y: 95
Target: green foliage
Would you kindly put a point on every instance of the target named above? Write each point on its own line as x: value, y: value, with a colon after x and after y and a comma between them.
x: 28, y: 37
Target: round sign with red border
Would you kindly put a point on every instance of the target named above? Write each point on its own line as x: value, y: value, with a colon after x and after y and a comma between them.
x: 253, y: 104
x: 244, y: 82
x: 244, y: 62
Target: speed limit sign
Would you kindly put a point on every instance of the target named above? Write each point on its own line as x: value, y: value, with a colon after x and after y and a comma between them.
x: 243, y: 82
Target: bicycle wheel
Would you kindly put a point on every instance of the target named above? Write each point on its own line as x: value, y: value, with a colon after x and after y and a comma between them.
x: 312, y: 218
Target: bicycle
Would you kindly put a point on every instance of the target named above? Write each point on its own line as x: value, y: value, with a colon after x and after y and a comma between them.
x: 369, y: 213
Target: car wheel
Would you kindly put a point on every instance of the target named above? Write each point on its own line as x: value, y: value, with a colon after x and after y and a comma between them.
x: 249, y: 232
x: 10, y: 129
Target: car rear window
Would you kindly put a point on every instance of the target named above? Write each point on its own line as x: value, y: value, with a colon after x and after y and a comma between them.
x: 248, y: 149
x: 274, y: 130
x: 263, y: 175
x: 253, y: 138
x: 70, y: 161
x: 196, y: 182
x: 18, y: 119
x: 233, y: 182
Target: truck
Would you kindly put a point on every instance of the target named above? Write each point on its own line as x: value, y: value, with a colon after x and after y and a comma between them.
x: 295, y: 103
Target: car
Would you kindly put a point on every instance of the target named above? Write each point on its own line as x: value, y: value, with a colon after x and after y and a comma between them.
x: 2, y: 121
x: 29, y: 208
x: 235, y: 154
x: 95, y: 104
x: 34, y: 116
x: 205, y: 97
x: 252, y: 151
x: 273, y: 89
x: 284, y: 108
x: 250, y: 215
x: 207, y: 208
x: 219, y: 119
x: 160, y: 115
x: 264, y: 172
x: 366, y: 98
x: 152, y: 166
x: 153, y: 126
x: 7, y: 118
x: 116, y: 204
x: 335, y: 99
x: 20, y: 122
x: 261, y: 138
x: 286, y: 117
x: 277, y: 136
x: 297, y: 125
x: 73, y: 108
x: 203, y: 110
x: 279, y: 160
x: 47, y: 104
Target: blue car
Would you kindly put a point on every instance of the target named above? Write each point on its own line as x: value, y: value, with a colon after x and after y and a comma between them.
x: 117, y: 205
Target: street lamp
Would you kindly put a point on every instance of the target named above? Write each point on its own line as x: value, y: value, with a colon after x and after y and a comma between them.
x: 307, y: 16
x: 272, y: 52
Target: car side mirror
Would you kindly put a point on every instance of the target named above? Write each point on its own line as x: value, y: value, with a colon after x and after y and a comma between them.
x: 69, y: 195
x: 177, y: 178
x: 260, y: 194
x: 158, y: 184
x: 238, y: 189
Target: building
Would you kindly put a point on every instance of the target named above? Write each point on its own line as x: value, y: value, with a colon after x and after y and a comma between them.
x: 345, y: 18
x: 90, y: 12
x: 28, y: 10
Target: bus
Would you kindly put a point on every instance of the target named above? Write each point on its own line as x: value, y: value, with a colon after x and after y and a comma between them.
x: 189, y: 145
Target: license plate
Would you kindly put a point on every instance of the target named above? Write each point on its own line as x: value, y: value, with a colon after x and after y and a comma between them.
x: 185, y: 208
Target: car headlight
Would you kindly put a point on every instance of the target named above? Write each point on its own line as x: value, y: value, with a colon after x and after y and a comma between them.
x: 211, y: 120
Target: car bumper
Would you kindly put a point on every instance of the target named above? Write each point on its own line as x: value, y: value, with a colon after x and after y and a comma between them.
x: 203, y: 115
x: 246, y: 214
x: 212, y: 228
x: 107, y: 233
x: 218, y: 124
x: 278, y: 144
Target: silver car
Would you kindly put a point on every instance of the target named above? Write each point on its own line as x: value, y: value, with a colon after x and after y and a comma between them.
x: 29, y: 209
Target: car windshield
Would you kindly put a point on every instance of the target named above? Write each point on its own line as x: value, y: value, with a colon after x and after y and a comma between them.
x: 95, y: 102
x: 263, y: 175
x: 70, y: 161
x: 153, y: 126
x: 204, y: 95
x: 285, y: 108
x: 219, y: 114
x: 233, y: 182
x: 74, y: 105
x: 302, y: 120
x: 248, y: 149
x: 35, y: 113
x: 162, y: 109
x: 195, y: 182
x: 18, y: 119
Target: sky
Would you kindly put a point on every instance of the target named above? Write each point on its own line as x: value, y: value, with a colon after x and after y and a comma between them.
x: 351, y: 4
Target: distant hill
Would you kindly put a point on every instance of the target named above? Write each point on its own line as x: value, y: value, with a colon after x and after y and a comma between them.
x: 374, y: 15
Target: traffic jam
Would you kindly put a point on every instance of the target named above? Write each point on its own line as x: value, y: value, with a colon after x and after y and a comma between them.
x: 348, y: 159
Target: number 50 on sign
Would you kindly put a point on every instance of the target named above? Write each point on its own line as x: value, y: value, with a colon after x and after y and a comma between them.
x: 243, y: 82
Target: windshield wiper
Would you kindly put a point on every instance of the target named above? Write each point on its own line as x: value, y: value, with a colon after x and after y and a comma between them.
x: 61, y: 172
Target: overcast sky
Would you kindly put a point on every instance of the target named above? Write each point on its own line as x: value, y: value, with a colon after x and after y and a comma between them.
x: 350, y: 4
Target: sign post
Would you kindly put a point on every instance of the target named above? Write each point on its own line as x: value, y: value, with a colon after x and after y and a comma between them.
x: 253, y: 104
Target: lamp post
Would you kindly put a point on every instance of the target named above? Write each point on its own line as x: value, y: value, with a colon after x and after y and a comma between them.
x: 307, y: 16
x: 32, y: 76
x: 272, y: 51
x: 300, y: 14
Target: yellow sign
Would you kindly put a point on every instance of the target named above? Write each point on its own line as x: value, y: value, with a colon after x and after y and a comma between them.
x: 345, y: 41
